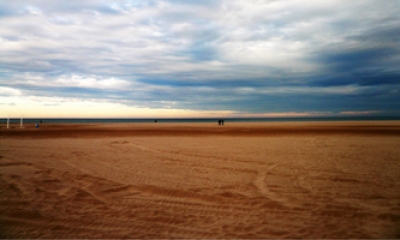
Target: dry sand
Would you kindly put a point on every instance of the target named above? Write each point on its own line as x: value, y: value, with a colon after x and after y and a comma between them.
x: 265, y: 180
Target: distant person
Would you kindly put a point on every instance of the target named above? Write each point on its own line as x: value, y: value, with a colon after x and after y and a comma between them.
x: 219, y: 122
x: 40, y: 121
x: 37, y: 125
x: 155, y: 121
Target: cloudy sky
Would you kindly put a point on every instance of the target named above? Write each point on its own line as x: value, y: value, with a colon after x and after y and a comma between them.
x: 209, y: 58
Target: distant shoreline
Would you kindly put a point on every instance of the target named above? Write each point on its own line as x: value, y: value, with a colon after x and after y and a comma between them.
x: 198, y: 120
x: 196, y: 129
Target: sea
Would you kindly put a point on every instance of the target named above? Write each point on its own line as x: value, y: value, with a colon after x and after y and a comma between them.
x: 193, y: 120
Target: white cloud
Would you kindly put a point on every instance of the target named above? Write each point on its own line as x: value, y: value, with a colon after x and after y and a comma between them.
x: 6, y: 91
x: 91, y: 82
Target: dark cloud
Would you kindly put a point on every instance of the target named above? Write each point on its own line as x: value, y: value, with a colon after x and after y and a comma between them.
x: 380, y: 35
x: 368, y: 78
x: 364, y: 67
x: 353, y: 59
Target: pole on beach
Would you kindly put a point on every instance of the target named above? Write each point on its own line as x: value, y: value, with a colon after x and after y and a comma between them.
x: 8, y: 122
x: 21, y: 123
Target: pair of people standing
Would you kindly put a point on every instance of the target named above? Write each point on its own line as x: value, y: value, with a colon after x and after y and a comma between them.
x: 220, y: 122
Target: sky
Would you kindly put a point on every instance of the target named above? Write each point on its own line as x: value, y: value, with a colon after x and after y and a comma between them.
x: 209, y: 58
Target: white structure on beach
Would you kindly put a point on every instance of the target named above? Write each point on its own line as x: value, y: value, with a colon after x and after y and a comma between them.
x: 21, y: 123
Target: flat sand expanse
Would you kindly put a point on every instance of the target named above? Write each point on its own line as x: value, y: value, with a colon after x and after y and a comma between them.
x: 241, y: 180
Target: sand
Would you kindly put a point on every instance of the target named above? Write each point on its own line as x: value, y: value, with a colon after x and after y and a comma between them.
x: 165, y: 180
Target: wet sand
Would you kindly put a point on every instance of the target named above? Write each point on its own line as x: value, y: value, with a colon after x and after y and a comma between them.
x: 201, y: 180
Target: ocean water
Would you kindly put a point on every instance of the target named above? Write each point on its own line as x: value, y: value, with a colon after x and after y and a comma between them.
x: 193, y: 120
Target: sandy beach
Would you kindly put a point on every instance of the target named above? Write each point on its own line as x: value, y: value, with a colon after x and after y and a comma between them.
x: 201, y: 180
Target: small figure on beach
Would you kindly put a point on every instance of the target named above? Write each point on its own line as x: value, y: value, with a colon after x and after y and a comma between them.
x: 219, y: 122
x: 155, y: 121
x: 40, y: 121
x: 37, y: 125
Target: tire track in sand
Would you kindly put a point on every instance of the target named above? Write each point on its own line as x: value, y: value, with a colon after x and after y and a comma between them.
x: 261, y: 179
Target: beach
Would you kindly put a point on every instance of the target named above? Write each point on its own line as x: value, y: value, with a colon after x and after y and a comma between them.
x: 201, y: 180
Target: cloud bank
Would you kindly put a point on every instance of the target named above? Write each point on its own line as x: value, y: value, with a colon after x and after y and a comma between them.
x: 239, y: 57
